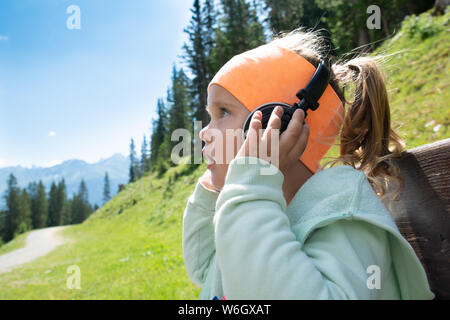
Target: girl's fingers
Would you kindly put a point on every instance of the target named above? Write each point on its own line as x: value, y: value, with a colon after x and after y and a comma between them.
x: 255, y: 123
x: 274, y: 123
x: 300, y: 145
x: 292, y: 134
x: 251, y: 142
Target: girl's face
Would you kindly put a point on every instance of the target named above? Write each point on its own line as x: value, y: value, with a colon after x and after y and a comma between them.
x: 226, y: 112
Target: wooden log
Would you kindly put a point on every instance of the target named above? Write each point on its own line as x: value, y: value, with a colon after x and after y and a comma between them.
x: 422, y: 212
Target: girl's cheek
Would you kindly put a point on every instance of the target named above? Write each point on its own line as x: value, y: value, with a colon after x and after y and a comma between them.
x: 231, y: 144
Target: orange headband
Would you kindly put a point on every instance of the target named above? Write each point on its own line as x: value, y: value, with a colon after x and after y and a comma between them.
x: 271, y: 73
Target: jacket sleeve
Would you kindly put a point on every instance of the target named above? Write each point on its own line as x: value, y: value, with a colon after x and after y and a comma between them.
x: 198, y: 233
x: 260, y: 257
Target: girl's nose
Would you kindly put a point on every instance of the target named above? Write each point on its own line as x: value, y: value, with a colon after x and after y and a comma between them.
x: 202, y: 133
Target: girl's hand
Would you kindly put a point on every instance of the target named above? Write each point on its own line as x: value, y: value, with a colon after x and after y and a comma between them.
x: 205, y: 180
x: 292, y: 142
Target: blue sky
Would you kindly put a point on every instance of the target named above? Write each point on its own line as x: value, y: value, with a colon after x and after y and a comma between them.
x: 83, y: 93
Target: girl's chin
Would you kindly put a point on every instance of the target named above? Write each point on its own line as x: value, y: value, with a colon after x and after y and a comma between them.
x: 218, y: 174
x: 215, y: 183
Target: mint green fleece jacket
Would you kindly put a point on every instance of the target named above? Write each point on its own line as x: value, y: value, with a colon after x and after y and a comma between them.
x: 335, y: 240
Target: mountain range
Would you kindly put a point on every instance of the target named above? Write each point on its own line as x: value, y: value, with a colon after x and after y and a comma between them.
x: 72, y: 171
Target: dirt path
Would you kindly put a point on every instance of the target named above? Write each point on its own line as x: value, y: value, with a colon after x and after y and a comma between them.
x: 38, y: 243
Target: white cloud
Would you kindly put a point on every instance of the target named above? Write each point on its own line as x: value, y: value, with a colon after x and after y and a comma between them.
x: 51, y: 133
x: 2, y: 37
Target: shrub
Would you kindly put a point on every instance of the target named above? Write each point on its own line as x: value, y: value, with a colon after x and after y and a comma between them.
x: 422, y: 26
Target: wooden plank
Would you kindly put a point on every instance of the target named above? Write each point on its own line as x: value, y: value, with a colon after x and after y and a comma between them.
x: 422, y: 212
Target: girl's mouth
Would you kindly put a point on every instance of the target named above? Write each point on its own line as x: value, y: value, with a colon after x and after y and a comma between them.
x: 210, y: 161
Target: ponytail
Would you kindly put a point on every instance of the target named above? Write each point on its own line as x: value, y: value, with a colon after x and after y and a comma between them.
x: 367, y: 141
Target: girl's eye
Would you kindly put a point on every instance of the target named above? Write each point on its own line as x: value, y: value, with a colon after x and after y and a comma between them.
x: 223, y: 110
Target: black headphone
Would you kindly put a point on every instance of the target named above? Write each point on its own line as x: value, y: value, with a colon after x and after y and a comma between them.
x: 308, y: 96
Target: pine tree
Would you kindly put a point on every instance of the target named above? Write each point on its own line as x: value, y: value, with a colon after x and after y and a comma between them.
x: 134, y: 165
x: 158, y: 133
x: 32, y: 189
x: 12, y: 198
x: 2, y: 226
x: 209, y: 19
x: 286, y: 15
x: 196, y: 58
x: 63, y: 208
x: 238, y: 30
x: 80, y: 207
x: 38, y: 204
x: 347, y: 21
x: 145, y: 161
x: 84, y: 195
x: 24, y: 213
x: 53, y: 206
x: 68, y: 216
x: 178, y: 106
x: 83, y: 192
x: 32, y: 194
x: 39, y: 213
x: 76, y: 208
x: 106, y: 189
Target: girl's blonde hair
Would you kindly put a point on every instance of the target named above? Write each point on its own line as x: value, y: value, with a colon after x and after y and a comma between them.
x: 367, y: 141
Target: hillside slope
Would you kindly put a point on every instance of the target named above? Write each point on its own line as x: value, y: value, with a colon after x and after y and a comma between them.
x: 128, y: 249
x: 131, y: 247
x: 419, y: 78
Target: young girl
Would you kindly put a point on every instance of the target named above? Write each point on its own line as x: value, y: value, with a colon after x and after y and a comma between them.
x: 301, y: 233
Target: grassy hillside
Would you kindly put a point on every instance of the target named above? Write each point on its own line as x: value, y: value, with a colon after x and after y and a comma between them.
x: 131, y: 247
x: 128, y: 249
x: 419, y: 79
x: 17, y: 243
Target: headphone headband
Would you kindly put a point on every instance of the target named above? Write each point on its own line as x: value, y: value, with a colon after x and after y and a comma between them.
x: 310, y: 95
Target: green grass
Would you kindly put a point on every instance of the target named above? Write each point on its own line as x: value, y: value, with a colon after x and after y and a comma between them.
x: 131, y: 247
x: 419, y: 79
x: 128, y: 249
x: 17, y: 243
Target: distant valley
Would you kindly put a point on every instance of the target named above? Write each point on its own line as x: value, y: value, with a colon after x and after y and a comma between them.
x: 72, y: 171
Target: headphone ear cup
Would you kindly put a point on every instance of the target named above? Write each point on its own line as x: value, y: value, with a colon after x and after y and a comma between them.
x: 266, y: 111
x: 285, y: 118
